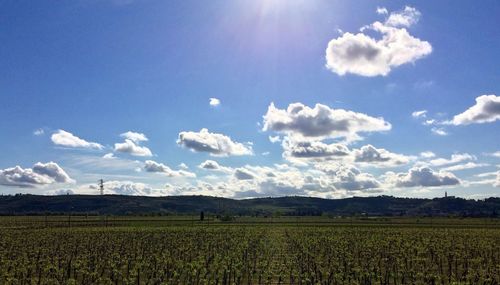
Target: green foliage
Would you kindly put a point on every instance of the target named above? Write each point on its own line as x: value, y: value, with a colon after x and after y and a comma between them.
x: 258, y: 254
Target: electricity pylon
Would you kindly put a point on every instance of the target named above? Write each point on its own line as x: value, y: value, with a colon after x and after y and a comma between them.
x: 101, y: 186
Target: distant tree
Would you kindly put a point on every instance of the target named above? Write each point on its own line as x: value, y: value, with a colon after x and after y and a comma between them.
x: 202, y: 216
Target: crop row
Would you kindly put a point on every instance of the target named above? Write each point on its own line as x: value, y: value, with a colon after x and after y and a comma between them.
x: 250, y: 255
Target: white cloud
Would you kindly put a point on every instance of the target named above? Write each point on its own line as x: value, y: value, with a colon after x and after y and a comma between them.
x: 303, y: 153
x: 281, y: 179
x: 405, y: 18
x: 67, y: 139
x: 492, y: 178
x: 313, y: 149
x: 486, y: 110
x: 486, y: 174
x: 117, y: 187
x: 209, y: 164
x: 302, y: 123
x: 153, y: 166
x: 243, y: 174
x: 129, y: 188
x: 468, y: 165
x: 215, y: 166
x: 60, y: 192
x: 382, y: 11
x: 214, y: 102
x: 429, y: 122
x: 439, y: 131
x: 38, y: 132
x: 183, y: 166
x: 421, y: 176
x: 274, y: 139
x: 40, y: 174
x: 349, y: 177
x: 108, y: 155
x: 371, y: 155
x: 213, y: 143
x: 274, y: 182
x: 17, y: 176
x: 130, y: 147
x: 427, y: 154
x: 494, y: 154
x: 455, y: 158
x: 363, y: 55
x: 135, y: 137
x: 52, y: 170
x: 419, y: 114
x: 132, y: 188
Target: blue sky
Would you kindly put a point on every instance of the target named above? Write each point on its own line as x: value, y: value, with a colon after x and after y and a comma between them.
x: 121, y: 90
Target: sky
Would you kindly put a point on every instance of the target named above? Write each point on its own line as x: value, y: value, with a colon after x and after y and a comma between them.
x: 251, y: 98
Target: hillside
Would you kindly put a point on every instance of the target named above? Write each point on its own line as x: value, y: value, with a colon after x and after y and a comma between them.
x: 138, y: 205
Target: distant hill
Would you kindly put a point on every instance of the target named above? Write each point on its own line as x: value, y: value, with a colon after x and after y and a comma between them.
x: 139, y: 205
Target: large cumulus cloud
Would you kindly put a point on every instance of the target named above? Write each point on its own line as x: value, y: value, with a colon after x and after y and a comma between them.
x: 364, y: 55
x: 304, y: 123
x: 40, y: 174
x: 213, y: 143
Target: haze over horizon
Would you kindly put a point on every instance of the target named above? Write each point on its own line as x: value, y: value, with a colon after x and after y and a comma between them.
x: 245, y: 99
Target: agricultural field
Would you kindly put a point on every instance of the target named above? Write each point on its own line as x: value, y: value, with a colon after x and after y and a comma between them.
x: 288, y: 250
